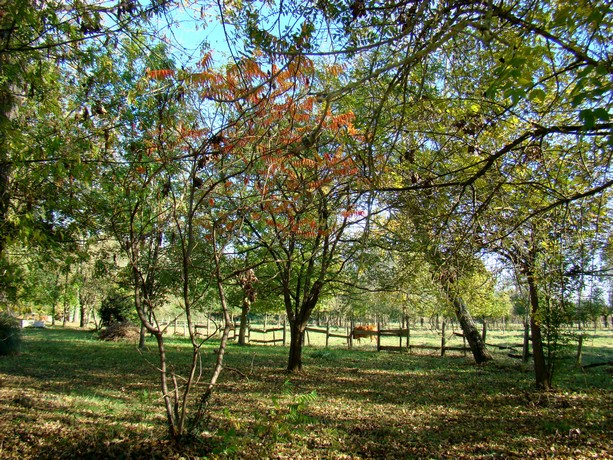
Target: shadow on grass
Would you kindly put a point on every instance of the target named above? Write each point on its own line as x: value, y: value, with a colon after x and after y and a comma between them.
x: 70, y: 396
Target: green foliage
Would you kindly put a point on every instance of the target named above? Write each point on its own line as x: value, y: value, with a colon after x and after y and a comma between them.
x: 10, y: 335
x: 283, y: 421
x: 296, y: 414
x: 117, y: 307
x: 483, y: 297
x: 324, y: 354
x: 521, y: 304
x: 593, y: 307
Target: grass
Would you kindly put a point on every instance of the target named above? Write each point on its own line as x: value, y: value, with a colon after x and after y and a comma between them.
x: 69, y: 395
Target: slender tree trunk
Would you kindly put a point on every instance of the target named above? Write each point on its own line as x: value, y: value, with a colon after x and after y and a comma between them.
x: 83, y: 315
x: 541, y: 371
x: 243, y: 325
x: 65, y: 312
x: 142, y: 337
x: 526, y: 346
x: 228, y: 325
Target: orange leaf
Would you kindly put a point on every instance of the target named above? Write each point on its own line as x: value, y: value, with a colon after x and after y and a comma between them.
x: 160, y: 74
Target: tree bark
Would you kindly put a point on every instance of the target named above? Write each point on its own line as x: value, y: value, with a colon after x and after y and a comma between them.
x: 142, y: 337
x: 541, y: 371
x: 526, y: 345
x: 83, y: 315
x: 471, y: 332
x: 484, y: 331
x: 294, y: 363
x: 242, y: 333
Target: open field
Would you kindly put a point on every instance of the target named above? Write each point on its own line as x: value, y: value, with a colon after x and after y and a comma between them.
x: 70, y: 396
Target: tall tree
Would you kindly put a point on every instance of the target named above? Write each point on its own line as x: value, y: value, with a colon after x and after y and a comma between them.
x: 46, y: 51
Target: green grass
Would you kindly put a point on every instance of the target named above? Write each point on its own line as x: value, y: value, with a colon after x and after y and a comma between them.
x: 69, y: 395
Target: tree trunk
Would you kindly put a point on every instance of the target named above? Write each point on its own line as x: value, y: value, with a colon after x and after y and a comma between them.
x: 526, y: 346
x: 541, y: 371
x: 469, y: 328
x: 580, y: 350
x: 242, y: 333
x: 295, y: 346
x: 65, y: 306
x: 83, y: 315
x: 484, y: 331
x: 142, y: 337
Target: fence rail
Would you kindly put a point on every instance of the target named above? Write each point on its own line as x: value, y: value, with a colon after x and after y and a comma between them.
x: 380, y: 334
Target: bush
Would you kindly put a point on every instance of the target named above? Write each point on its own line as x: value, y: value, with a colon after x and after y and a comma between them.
x: 10, y: 335
x: 117, y: 308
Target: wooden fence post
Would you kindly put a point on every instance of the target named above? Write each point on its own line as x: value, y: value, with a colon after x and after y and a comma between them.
x: 327, y: 333
x: 378, y: 336
x: 408, y: 336
x: 350, y: 335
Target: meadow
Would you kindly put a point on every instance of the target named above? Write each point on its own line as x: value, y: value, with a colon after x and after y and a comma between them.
x: 69, y: 395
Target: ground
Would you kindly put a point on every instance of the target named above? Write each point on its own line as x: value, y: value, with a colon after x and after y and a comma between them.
x: 68, y: 395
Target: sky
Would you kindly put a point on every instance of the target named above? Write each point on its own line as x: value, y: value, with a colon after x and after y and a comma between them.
x: 187, y: 32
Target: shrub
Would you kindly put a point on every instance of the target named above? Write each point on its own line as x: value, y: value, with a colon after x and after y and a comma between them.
x: 10, y: 335
x: 117, y: 308
x: 119, y: 331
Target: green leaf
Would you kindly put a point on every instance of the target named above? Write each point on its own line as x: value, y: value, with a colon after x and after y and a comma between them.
x: 537, y: 94
x: 602, y: 114
x: 587, y: 117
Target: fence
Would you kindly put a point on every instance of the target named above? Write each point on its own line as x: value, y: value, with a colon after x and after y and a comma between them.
x: 279, y: 335
x: 516, y: 346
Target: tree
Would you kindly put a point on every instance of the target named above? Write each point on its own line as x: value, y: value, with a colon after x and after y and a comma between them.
x: 478, y: 89
x: 246, y: 281
x: 46, y: 154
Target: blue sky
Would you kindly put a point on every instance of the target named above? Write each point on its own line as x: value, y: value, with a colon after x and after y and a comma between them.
x: 186, y: 32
